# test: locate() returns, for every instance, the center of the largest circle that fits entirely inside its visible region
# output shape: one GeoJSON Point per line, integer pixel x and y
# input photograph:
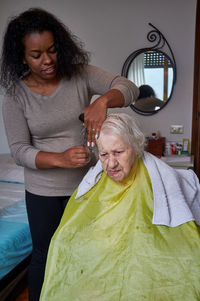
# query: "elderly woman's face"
{"type": "Point", "coordinates": [116, 156]}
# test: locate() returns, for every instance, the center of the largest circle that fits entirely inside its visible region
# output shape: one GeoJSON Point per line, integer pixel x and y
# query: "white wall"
{"type": "Point", "coordinates": [112, 29]}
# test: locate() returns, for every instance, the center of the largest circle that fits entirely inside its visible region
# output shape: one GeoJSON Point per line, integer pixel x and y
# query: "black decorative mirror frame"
{"type": "Point", "coordinates": [152, 59]}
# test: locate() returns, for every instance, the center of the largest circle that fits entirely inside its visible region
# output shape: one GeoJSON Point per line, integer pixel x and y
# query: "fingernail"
{"type": "Point", "coordinates": [88, 144]}
{"type": "Point", "coordinates": [96, 136]}
{"type": "Point", "coordinates": [92, 144]}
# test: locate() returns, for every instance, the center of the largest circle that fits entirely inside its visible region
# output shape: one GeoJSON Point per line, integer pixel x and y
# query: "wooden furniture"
{"type": "Point", "coordinates": [15, 281]}
{"type": "Point", "coordinates": [156, 146]}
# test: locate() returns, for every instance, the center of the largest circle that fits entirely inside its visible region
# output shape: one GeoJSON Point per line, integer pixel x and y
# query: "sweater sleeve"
{"type": "Point", "coordinates": [101, 82]}
{"type": "Point", "coordinates": [17, 132]}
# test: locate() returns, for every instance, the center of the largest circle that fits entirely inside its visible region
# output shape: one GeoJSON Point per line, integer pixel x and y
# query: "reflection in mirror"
{"type": "Point", "coordinates": [147, 100]}
{"type": "Point", "coordinates": [154, 68]}
{"type": "Point", "coordinates": [154, 72]}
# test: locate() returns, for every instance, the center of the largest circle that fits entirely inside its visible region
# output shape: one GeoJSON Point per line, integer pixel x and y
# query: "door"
{"type": "Point", "coordinates": [196, 97]}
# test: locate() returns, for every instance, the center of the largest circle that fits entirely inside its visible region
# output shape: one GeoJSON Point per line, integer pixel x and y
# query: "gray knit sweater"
{"type": "Point", "coordinates": [50, 123]}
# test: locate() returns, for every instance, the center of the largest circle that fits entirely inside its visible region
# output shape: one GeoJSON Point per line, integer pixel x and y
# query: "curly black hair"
{"type": "Point", "coordinates": [70, 53]}
{"type": "Point", "coordinates": [146, 91]}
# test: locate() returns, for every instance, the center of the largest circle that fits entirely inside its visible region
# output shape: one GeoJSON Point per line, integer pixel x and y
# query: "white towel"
{"type": "Point", "coordinates": [90, 179]}
{"type": "Point", "coordinates": [176, 193]}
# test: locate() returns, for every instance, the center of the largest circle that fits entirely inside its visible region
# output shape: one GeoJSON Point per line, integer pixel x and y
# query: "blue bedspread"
{"type": "Point", "coordinates": [15, 238]}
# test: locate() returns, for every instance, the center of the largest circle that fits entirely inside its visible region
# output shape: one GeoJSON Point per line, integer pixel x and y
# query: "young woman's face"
{"type": "Point", "coordinates": [116, 157]}
{"type": "Point", "coordinates": [40, 54]}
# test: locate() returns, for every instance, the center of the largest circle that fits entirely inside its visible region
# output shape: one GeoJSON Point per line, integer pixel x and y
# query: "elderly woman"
{"type": "Point", "coordinates": [130, 230]}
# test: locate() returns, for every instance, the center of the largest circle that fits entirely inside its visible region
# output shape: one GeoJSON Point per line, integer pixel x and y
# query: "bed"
{"type": "Point", "coordinates": [15, 238]}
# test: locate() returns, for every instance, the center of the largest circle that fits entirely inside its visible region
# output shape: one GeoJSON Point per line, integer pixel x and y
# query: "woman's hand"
{"type": "Point", "coordinates": [74, 157]}
{"type": "Point", "coordinates": [95, 114]}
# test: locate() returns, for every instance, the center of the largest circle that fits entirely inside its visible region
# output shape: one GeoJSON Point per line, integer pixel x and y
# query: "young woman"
{"type": "Point", "coordinates": [49, 83]}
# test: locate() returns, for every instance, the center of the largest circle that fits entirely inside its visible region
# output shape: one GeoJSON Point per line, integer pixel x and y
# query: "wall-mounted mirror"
{"type": "Point", "coordinates": [154, 72]}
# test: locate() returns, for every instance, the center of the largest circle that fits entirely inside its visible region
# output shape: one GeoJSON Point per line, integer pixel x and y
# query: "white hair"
{"type": "Point", "coordinates": [125, 127]}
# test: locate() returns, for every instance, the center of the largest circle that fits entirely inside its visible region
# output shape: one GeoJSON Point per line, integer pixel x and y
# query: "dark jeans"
{"type": "Point", "coordinates": [44, 214]}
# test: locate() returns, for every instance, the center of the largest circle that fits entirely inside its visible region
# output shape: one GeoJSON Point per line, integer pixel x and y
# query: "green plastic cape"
{"type": "Point", "coordinates": [106, 248]}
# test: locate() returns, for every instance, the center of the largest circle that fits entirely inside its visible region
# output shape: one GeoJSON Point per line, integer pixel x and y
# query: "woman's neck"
{"type": "Point", "coordinates": [42, 86]}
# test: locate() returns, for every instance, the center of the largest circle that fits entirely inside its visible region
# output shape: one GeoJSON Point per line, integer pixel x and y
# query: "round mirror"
{"type": "Point", "coordinates": [154, 73]}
